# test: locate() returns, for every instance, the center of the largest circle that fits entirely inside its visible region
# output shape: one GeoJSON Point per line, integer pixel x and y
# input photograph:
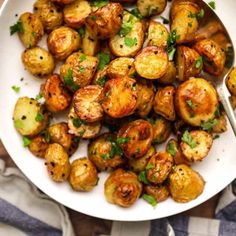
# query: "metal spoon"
{"type": "Point", "coordinates": [210, 27]}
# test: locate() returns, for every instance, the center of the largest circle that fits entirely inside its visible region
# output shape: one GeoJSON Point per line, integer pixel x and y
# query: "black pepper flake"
{"type": "Point", "coordinates": [63, 175]}
{"type": "Point", "coordinates": [53, 164]}
{"type": "Point", "coordinates": [23, 117]}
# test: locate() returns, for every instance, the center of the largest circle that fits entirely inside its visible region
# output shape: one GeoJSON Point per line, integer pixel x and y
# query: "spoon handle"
{"type": "Point", "coordinates": [224, 96]}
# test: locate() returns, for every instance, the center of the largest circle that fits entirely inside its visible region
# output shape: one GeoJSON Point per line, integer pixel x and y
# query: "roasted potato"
{"type": "Point", "coordinates": [29, 117]}
{"type": "Point", "coordinates": [124, 1]}
{"type": "Point", "coordinates": [221, 125]}
{"type": "Point", "coordinates": [139, 164]}
{"type": "Point", "coordinates": [56, 96]}
{"type": "Point", "coordinates": [62, 42]}
{"type": "Point", "coordinates": [213, 56]}
{"type": "Point", "coordinates": [100, 78]}
{"type": "Point", "coordinates": [38, 61]}
{"type": "Point", "coordinates": [119, 97]}
{"type": "Point", "coordinates": [196, 101]}
{"type": "Point", "coordinates": [127, 44]}
{"type": "Point", "coordinates": [90, 44]}
{"type": "Point", "coordinates": [159, 192]}
{"type": "Point", "coordinates": [31, 29]}
{"type": "Point", "coordinates": [80, 128]}
{"type": "Point", "coordinates": [122, 188]}
{"type": "Point", "coordinates": [57, 162]}
{"type": "Point", "coordinates": [151, 62]}
{"type": "Point", "coordinates": [63, 1]}
{"type": "Point", "coordinates": [196, 144]}
{"type": "Point", "coordinates": [138, 137]}
{"type": "Point", "coordinates": [151, 7]}
{"type": "Point", "coordinates": [105, 153]}
{"type": "Point", "coordinates": [120, 67]}
{"type": "Point", "coordinates": [38, 146]}
{"type": "Point", "coordinates": [170, 76]}
{"type": "Point", "coordinates": [189, 63]}
{"type": "Point", "coordinates": [76, 13]}
{"type": "Point", "coordinates": [185, 184]}
{"type": "Point", "coordinates": [157, 34]}
{"type": "Point", "coordinates": [49, 14]}
{"type": "Point", "coordinates": [86, 103]}
{"type": "Point", "coordinates": [231, 82]}
{"type": "Point", "coordinates": [106, 21]}
{"type": "Point", "coordinates": [83, 175]}
{"type": "Point", "coordinates": [59, 133]}
{"type": "Point", "coordinates": [78, 70]}
{"type": "Point", "coordinates": [164, 102]}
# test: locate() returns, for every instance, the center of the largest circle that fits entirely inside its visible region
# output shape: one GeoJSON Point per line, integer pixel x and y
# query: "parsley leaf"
{"type": "Point", "coordinates": [149, 166]}
{"type": "Point", "coordinates": [104, 59]}
{"type": "Point", "coordinates": [39, 117]}
{"type": "Point", "coordinates": [188, 139]}
{"type": "Point", "coordinates": [208, 125]}
{"type": "Point", "coordinates": [69, 80]}
{"type": "Point", "coordinates": [171, 149]}
{"type": "Point", "coordinates": [190, 103]}
{"type": "Point", "coordinates": [38, 97]}
{"type": "Point", "coordinates": [171, 44]}
{"type": "Point", "coordinates": [150, 199]}
{"type": "Point", "coordinates": [77, 122]}
{"type": "Point", "coordinates": [82, 58]}
{"type": "Point", "coordinates": [126, 26]}
{"type": "Point", "coordinates": [198, 62]}
{"type": "Point", "coordinates": [102, 81]}
{"type": "Point", "coordinates": [143, 178]}
{"type": "Point", "coordinates": [115, 150]}
{"type": "Point", "coordinates": [105, 156]}
{"type": "Point", "coordinates": [18, 124]}
{"type": "Point", "coordinates": [26, 141]}
{"type": "Point", "coordinates": [136, 13]}
{"type": "Point", "coordinates": [16, 88]}
{"type": "Point", "coordinates": [99, 3]}
{"type": "Point", "coordinates": [17, 27]}
{"type": "Point", "coordinates": [212, 4]}
{"type": "Point", "coordinates": [81, 32]}
{"type": "Point", "coordinates": [81, 69]}
{"type": "Point", "coordinates": [122, 140]}
{"type": "Point", "coordinates": [130, 42]}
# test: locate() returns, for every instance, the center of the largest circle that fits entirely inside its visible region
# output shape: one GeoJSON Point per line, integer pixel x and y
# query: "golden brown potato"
{"type": "Point", "coordinates": [122, 188]}
{"type": "Point", "coordinates": [57, 162]}
{"type": "Point", "coordinates": [76, 13]}
{"type": "Point", "coordinates": [106, 21]}
{"type": "Point", "coordinates": [105, 153]}
{"type": "Point", "coordinates": [157, 34]}
{"type": "Point", "coordinates": [170, 76]}
{"type": "Point", "coordinates": [120, 67]}
{"type": "Point", "coordinates": [164, 102]}
{"type": "Point", "coordinates": [196, 144]}
{"type": "Point", "coordinates": [90, 44]}
{"type": "Point", "coordinates": [62, 42]}
{"type": "Point", "coordinates": [63, 1]}
{"type": "Point", "coordinates": [213, 56]}
{"type": "Point", "coordinates": [78, 70]}
{"type": "Point", "coordinates": [185, 184]}
{"type": "Point", "coordinates": [128, 42]}
{"type": "Point", "coordinates": [151, 7]}
{"type": "Point", "coordinates": [138, 135]}
{"type": "Point", "coordinates": [221, 125]}
{"type": "Point", "coordinates": [83, 175]}
{"type": "Point", "coordinates": [231, 82]}
{"type": "Point", "coordinates": [145, 97]}
{"type": "Point", "coordinates": [151, 62]}
{"type": "Point", "coordinates": [80, 128]}
{"type": "Point", "coordinates": [29, 117]}
{"type": "Point", "coordinates": [196, 101]}
{"type": "Point", "coordinates": [119, 97]}
{"type": "Point", "coordinates": [38, 61]}
{"type": "Point", "coordinates": [161, 129]}
{"type": "Point", "coordinates": [159, 192]}
{"type": "Point", "coordinates": [86, 103]}
{"type": "Point", "coordinates": [139, 164]}
{"type": "Point", "coordinates": [49, 14]}
{"type": "Point", "coordinates": [57, 98]}
{"type": "Point", "coordinates": [189, 63]}
{"type": "Point", "coordinates": [59, 133]}
{"type": "Point", "coordinates": [100, 78]}
{"type": "Point", "coordinates": [31, 29]}
{"type": "Point", "coordinates": [38, 146]}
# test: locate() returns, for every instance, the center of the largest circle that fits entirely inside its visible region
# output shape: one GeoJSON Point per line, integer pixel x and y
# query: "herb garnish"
{"type": "Point", "coordinates": [171, 43]}
{"type": "Point", "coordinates": [17, 27]}
{"type": "Point", "coordinates": [212, 4]}
{"type": "Point", "coordinates": [39, 117]}
{"type": "Point", "coordinates": [150, 199]}
{"type": "Point", "coordinates": [171, 149]}
{"type": "Point", "coordinates": [26, 141]}
{"type": "Point", "coordinates": [69, 80]}
{"type": "Point", "coordinates": [130, 42]}
{"type": "Point", "coordinates": [198, 62]}
{"type": "Point", "coordinates": [143, 178]}
{"type": "Point", "coordinates": [104, 59]}
{"type": "Point", "coordinates": [16, 88]}
{"type": "Point", "coordinates": [188, 139]}
{"type": "Point", "coordinates": [208, 125]}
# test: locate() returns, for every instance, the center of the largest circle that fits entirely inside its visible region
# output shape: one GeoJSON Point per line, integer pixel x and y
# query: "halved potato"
{"type": "Point", "coordinates": [90, 44]}
{"type": "Point", "coordinates": [231, 81]}
{"type": "Point", "coordinates": [159, 192]}
{"type": "Point", "coordinates": [170, 76]}
{"type": "Point", "coordinates": [151, 62]}
{"type": "Point", "coordinates": [151, 7]}
{"type": "Point", "coordinates": [38, 146]}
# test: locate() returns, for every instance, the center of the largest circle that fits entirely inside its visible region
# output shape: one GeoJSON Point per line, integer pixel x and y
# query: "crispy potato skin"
{"type": "Point", "coordinates": [38, 61]}
{"type": "Point", "coordinates": [162, 163]}
{"type": "Point", "coordinates": [213, 56]}
{"type": "Point", "coordinates": [231, 82]}
{"type": "Point", "coordinates": [24, 117]}
{"type": "Point", "coordinates": [170, 76]}
{"type": "Point", "coordinates": [204, 142]}
{"type": "Point", "coordinates": [62, 42]}
{"type": "Point", "coordinates": [160, 193]}
{"type": "Point", "coordinates": [76, 13]}
{"type": "Point", "coordinates": [122, 188]}
{"type": "Point", "coordinates": [57, 162]}
{"type": "Point", "coordinates": [59, 133]}
{"type": "Point", "coordinates": [187, 59]}
{"type": "Point", "coordinates": [151, 62]}
{"type": "Point", "coordinates": [196, 101]}
{"type": "Point", "coordinates": [101, 146]}
{"type": "Point", "coordinates": [185, 184]}
{"type": "Point", "coordinates": [38, 146]}
{"type": "Point", "coordinates": [140, 135]}
{"type": "Point", "coordinates": [57, 98]}
{"type": "Point", "coordinates": [83, 69]}
{"type": "Point", "coordinates": [138, 165]}
{"type": "Point", "coordinates": [164, 102]}
{"type": "Point", "coordinates": [119, 97]}
{"type": "Point", "coordinates": [151, 7]}
{"type": "Point", "coordinates": [49, 14]}
{"type": "Point", "coordinates": [32, 30]}
{"type": "Point", "coordinates": [106, 21]}
{"type": "Point", "coordinates": [86, 102]}
{"type": "Point", "coordinates": [83, 175]}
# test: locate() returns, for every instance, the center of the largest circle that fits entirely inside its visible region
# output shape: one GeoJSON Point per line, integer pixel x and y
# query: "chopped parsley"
{"type": "Point", "coordinates": [188, 139]}
{"type": "Point", "coordinates": [26, 141]}
{"type": "Point", "coordinates": [165, 20]}
{"type": "Point", "coordinates": [105, 156]}
{"type": "Point", "coordinates": [208, 125]}
{"type": "Point", "coordinates": [150, 199]}
{"type": "Point", "coordinates": [39, 117]}
{"type": "Point", "coordinates": [81, 69]}
{"type": "Point", "coordinates": [99, 3]}
{"type": "Point", "coordinates": [107, 93]}
{"type": "Point", "coordinates": [102, 81]}
{"type": "Point", "coordinates": [77, 122]}
{"type": "Point", "coordinates": [18, 124]}
{"type": "Point", "coordinates": [104, 59]}
{"type": "Point", "coordinates": [199, 15]}
{"type": "Point", "coordinates": [190, 24]}
{"type": "Point", "coordinates": [198, 62]}
{"type": "Point", "coordinates": [171, 149]}
{"type": "Point", "coordinates": [17, 27]}
{"type": "Point", "coordinates": [69, 80]}
{"type": "Point", "coordinates": [136, 13]}
{"type": "Point", "coordinates": [143, 178]}
{"type": "Point", "coordinates": [81, 32]}
{"type": "Point", "coordinates": [216, 136]}
{"type": "Point", "coordinates": [115, 149]}
{"type": "Point", "coordinates": [190, 103]}
{"type": "Point", "coordinates": [171, 44]}
{"type": "Point", "coordinates": [126, 27]}
{"type": "Point", "coordinates": [212, 4]}
{"type": "Point", "coordinates": [93, 18]}
{"type": "Point", "coordinates": [149, 166]}
{"type": "Point", "coordinates": [122, 140]}
{"type": "Point", "coordinates": [82, 58]}
{"type": "Point", "coordinates": [130, 42]}
{"type": "Point", "coordinates": [38, 97]}
{"type": "Point", "coordinates": [16, 88]}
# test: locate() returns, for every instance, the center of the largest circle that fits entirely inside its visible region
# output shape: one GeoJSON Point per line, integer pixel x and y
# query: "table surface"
{"type": "Point", "coordinates": [87, 226]}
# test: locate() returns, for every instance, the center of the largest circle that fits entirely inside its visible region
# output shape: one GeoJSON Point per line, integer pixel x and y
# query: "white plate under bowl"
{"type": "Point", "coordinates": [218, 169]}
